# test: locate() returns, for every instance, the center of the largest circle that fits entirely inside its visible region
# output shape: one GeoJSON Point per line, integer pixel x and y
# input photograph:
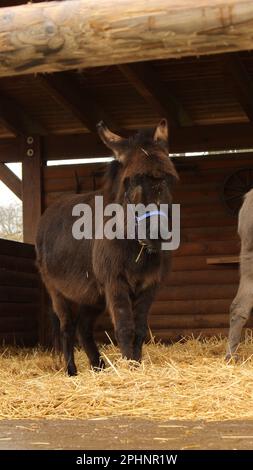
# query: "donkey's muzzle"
{"type": "Point", "coordinates": [151, 226]}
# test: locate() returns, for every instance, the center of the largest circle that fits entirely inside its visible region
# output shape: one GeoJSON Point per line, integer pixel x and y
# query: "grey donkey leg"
{"type": "Point", "coordinates": [240, 311]}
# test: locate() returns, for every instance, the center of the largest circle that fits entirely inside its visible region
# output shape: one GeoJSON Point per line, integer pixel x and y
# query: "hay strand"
{"type": "Point", "coordinates": [187, 380]}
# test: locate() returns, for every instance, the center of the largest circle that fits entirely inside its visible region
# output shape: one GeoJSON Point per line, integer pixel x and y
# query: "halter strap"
{"type": "Point", "coordinates": [150, 214]}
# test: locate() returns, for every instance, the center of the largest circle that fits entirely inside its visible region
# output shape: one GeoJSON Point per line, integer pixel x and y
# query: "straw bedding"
{"type": "Point", "coordinates": [187, 380]}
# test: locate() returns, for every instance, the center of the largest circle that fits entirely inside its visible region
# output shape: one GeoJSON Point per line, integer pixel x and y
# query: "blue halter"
{"type": "Point", "coordinates": [149, 214]}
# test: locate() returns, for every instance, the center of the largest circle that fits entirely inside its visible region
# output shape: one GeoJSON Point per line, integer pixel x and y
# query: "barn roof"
{"type": "Point", "coordinates": [191, 91]}
{"type": "Point", "coordinates": [201, 87]}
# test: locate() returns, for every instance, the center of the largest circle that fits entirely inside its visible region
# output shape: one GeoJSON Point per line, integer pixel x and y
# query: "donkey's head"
{"type": "Point", "coordinates": [143, 174]}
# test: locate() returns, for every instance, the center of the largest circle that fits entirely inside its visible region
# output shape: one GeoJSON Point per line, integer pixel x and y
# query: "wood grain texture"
{"type": "Point", "coordinates": [143, 78]}
{"type": "Point", "coordinates": [31, 187]}
{"type": "Point", "coordinates": [185, 139]}
{"type": "Point", "coordinates": [19, 294]}
{"type": "Point", "coordinates": [55, 36]}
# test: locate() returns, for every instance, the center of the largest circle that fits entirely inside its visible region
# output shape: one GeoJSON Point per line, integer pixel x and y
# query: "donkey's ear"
{"type": "Point", "coordinates": [111, 140]}
{"type": "Point", "coordinates": [161, 133]}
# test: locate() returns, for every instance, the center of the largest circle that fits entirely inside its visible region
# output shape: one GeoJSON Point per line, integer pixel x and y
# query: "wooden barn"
{"type": "Point", "coordinates": [65, 66]}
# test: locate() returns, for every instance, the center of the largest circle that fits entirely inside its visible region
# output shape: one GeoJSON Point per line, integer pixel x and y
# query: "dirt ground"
{"type": "Point", "coordinates": [124, 434]}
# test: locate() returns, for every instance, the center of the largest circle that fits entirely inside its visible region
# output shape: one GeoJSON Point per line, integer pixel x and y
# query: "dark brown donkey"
{"type": "Point", "coordinates": [83, 277]}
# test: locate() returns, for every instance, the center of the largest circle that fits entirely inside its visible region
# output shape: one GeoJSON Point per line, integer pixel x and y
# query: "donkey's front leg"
{"type": "Point", "coordinates": [240, 311]}
{"type": "Point", "coordinates": [141, 308]}
{"type": "Point", "coordinates": [120, 308]}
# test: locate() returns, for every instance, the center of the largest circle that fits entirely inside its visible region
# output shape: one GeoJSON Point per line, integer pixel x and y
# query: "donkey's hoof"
{"type": "Point", "coordinates": [72, 370]}
{"type": "Point", "coordinates": [97, 367]}
{"type": "Point", "coordinates": [231, 357]}
{"type": "Point", "coordinates": [134, 363]}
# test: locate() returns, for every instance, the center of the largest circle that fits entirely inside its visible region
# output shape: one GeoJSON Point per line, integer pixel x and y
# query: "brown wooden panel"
{"type": "Point", "coordinates": [224, 260]}
{"type": "Point", "coordinates": [23, 250]}
{"type": "Point", "coordinates": [196, 209]}
{"type": "Point", "coordinates": [191, 307]}
{"type": "Point", "coordinates": [198, 138]}
{"type": "Point", "coordinates": [17, 324]}
{"type": "Point", "coordinates": [9, 150]}
{"type": "Point", "coordinates": [18, 294]}
{"type": "Point", "coordinates": [201, 292]}
{"type": "Point", "coordinates": [184, 278]}
{"type": "Point", "coordinates": [18, 264]}
{"type": "Point", "coordinates": [15, 308]}
{"type": "Point", "coordinates": [66, 171]}
{"type": "Point", "coordinates": [70, 184]}
{"type": "Point", "coordinates": [208, 248]}
{"type": "Point", "coordinates": [15, 278]}
{"type": "Point", "coordinates": [225, 162]}
{"type": "Point", "coordinates": [209, 233]}
{"type": "Point", "coordinates": [19, 338]}
{"type": "Point", "coordinates": [189, 321]}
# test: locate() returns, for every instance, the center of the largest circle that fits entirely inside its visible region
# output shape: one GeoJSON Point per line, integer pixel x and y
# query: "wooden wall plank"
{"type": "Point", "coordinates": [15, 278]}
{"type": "Point", "coordinates": [185, 139]}
{"type": "Point", "coordinates": [216, 276]}
{"type": "Point", "coordinates": [201, 292]}
{"type": "Point", "coordinates": [13, 248]}
{"type": "Point", "coordinates": [19, 338]}
{"type": "Point", "coordinates": [19, 294]}
{"type": "Point", "coordinates": [18, 264]}
{"type": "Point", "coordinates": [190, 307]}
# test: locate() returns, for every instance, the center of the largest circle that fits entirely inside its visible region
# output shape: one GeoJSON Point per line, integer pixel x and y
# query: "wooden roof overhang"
{"type": "Point", "coordinates": [208, 99]}
{"type": "Point", "coordinates": [200, 76]}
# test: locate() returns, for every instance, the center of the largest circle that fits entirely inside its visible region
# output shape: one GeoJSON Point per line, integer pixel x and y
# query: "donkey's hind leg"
{"type": "Point", "coordinates": [62, 308]}
{"type": "Point", "coordinates": [87, 318]}
{"type": "Point", "coordinates": [240, 310]}
{"type": "Point", "coordinates": [56, 332]}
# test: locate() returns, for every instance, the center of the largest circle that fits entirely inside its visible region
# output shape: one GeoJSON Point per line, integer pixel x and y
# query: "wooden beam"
{"type": "Point", "coordinates": [65, 89]}
{"type": "Point", "coordinates": [31, 187]}
{"type": "Point", "coordinates": [54, 36]}
{"type": "Point", "coordinates": [212, 138]}
{"type": "Point", "coordinates": [223, 260]}
{"type": "Point", "coordinates": [17, 120]}
{"type": "Point", "coordinates": [187, 139]}
{"type": "Point", "coordinates": [241, 81]}
{"type": "Point", "coordinates": [10, 180]}
{"type": "Point", "coordinates": [156, 94]}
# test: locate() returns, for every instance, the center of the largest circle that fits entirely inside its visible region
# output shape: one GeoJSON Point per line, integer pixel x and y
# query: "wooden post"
{"type": "Point", "coordinates": [32, 209]}
{"type": "Point", "coordinates": [53, 36]}
{"type": "Point", "coordinates": [31, 186]}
